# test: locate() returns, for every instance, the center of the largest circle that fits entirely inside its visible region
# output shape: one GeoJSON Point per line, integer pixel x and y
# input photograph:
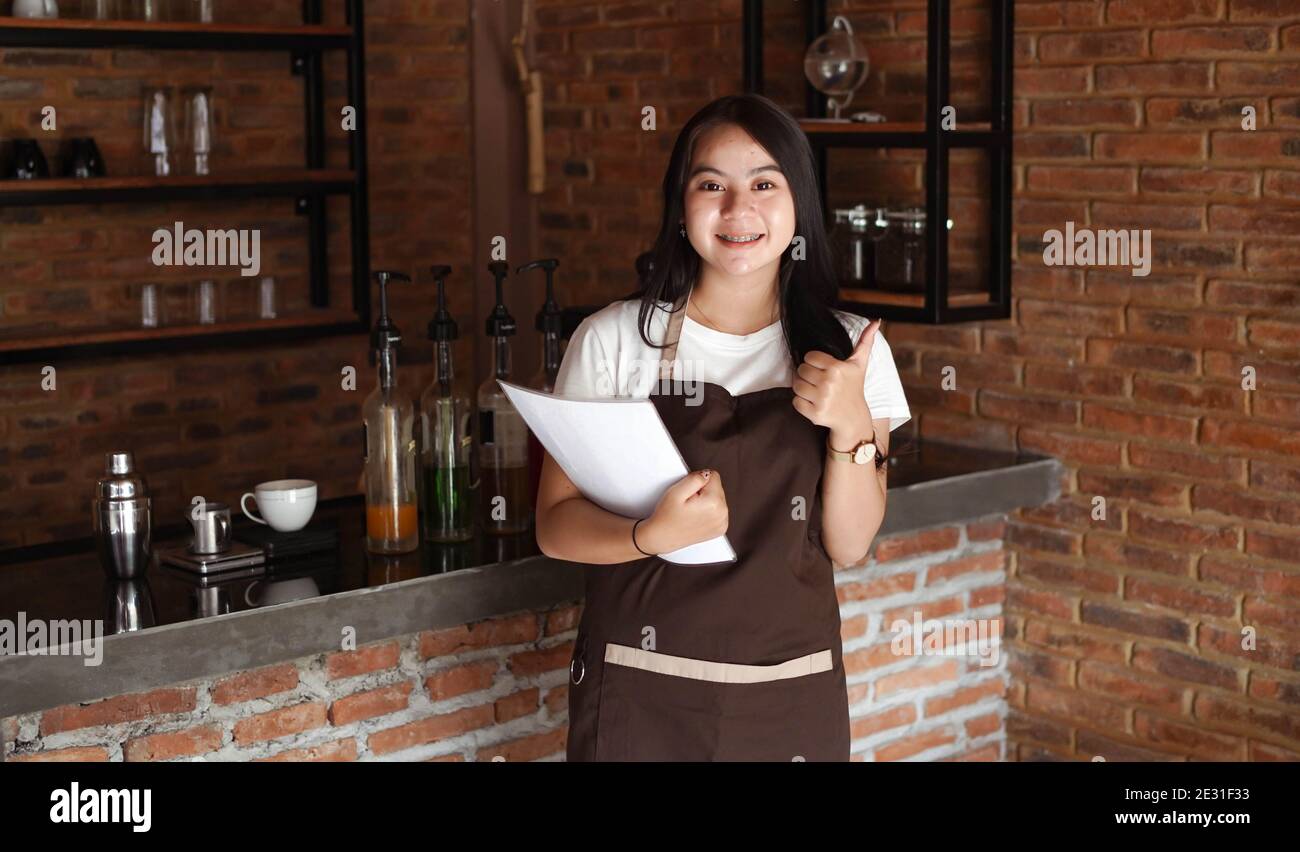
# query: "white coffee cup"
{"type": "Point", "coordinates": [286, 504]}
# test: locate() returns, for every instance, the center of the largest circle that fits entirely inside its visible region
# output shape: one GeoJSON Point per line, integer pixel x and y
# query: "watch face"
{"type": "Point", "coordinates": [864, 453]}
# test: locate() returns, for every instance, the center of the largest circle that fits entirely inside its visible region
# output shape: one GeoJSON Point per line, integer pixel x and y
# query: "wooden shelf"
{"type": "Point", "coordinates": [861, 134]}
{"type": "Point", "coordinates": [249, 184]}
{"type": "Point", "coordinates": [812, 125]}
{"type": "Point", "coordinates": [76, 32]}
{"type": "Point", "coordinates": [36, 344]}
{"type": "Point", "coordinates": [909, 300]}
{"type": "Point", "coordinates": [897, 134]}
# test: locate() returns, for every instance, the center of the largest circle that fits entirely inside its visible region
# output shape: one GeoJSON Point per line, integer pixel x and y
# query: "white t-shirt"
{"type": "Point", "coordinates": [606, 357]}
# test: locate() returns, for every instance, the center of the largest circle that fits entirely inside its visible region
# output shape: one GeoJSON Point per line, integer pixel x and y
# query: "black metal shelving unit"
{"type": "Point", "coordinates": [309, 187]}
{"type": "Point", "coordinates": [936, 142]}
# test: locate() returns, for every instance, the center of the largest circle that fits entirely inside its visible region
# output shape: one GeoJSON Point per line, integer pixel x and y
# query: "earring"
{"type": "Point", "coordinates": [682, 230]}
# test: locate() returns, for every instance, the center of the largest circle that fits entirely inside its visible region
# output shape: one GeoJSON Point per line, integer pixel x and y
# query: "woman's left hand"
{"type": "Point", "coordinates": [828, 391]}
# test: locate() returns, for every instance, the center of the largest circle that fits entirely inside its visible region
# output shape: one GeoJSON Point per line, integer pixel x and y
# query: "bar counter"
{"type": "Point", "coordinates": [191, 627]}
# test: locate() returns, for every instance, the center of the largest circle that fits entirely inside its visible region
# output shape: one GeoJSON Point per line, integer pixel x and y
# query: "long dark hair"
{"type": "Point", "coordinates": [808, 287]}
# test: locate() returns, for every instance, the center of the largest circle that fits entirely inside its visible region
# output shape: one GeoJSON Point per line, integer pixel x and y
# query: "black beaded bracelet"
{"type": "Point", "coordinates": [634, 544]}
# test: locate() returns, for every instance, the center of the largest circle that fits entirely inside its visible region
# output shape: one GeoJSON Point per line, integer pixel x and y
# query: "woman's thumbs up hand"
{"type": "Point", "coordinates": [692, 510]}
{"type": "Point", "coordinates": [828, 391]}
{"type": "Point", "coordinates": [862, 351]}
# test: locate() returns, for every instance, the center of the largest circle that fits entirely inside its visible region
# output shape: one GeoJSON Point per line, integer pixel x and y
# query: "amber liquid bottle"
{"type": "Point", "coordinates": [392, 507]}
{"type": "Point", "coordinates": [505, 506]}
{"type": "Point", "coordinates": [549, 323]}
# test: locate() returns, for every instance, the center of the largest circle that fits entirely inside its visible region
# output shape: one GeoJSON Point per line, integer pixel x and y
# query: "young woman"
{"type": "Point", "coordinates": [778, 403]}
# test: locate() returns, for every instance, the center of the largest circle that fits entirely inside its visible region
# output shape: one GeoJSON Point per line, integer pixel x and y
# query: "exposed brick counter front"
{"type": "Point", "coordinates": [496, 687]}
{"type": "Point", "coordinates": [271, 684]}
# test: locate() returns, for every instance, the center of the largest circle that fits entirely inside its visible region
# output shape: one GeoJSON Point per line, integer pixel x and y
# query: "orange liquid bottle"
{"type": "Point", "coordinates": [391, 522]}
{"type": "Point", "coordinates": [392, 499]}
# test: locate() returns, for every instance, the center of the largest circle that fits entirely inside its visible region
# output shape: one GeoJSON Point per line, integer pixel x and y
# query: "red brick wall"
{"type": "Point", "coordinates": [216, 422]}
{"type": "Point", "coordinates": [919, 701]}
{"type": "Point", "coordinates": [601, 63]}
{"type": "Point", "coordinates": [1128, 114]}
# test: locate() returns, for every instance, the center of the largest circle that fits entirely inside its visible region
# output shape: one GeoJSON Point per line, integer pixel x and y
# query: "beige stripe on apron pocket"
{"type": "Point", "coordinates": [653, 661]}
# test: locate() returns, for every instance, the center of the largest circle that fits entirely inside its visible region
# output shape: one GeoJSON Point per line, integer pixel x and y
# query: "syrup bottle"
{"type": "Point", "coordinates": [505, 507]}
{"type": "Point", "coordinates": [392, 513]}
{"type": "Point", "coordinates": [446, 438]}
{"type": "Point", "coordinates": [549, 323]}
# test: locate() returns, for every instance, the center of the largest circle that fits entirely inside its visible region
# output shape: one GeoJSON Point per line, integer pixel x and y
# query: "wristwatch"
{"type": "Point", "coordinates": [865, 452]}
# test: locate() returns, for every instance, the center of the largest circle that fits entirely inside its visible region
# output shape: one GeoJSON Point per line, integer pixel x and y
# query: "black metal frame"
{"type": "Point", "coordinates": [88, 193]}
{"type": "Point", "coordinates": [938, 143]}
{"type": "Point", "coordinates": [357, 159]}
{"type": "Point", "coordinates": [165, 37]}
{"type": "Point", "coordinates": [188, 343]}
{"type": "Point", "coordinates": [306, 50]}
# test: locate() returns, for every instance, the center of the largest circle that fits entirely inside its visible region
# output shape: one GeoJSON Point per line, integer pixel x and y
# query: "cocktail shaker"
{"type": "Point", "coordinates": [130, 605]}
{"type": "Point", "coordinates": [121, 517]}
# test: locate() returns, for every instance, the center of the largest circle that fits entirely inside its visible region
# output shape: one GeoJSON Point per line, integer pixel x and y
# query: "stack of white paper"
{"type": "Point", "coordinates": [617, 452]}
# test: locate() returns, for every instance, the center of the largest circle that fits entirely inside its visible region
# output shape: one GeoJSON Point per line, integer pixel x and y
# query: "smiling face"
{"type": "Point", "coordinates": [739, 210]}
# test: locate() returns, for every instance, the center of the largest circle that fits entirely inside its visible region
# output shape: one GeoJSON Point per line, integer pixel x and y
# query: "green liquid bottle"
{"type": "Point", "coordinates": [446, 501]}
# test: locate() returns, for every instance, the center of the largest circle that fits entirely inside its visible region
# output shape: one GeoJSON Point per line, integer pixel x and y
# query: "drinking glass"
{"type": "Point", "coordinates": [198, 11]}
{"type": "Point", "coordinates": [196, 136]}
{"type": "Point", "coordinates": [147, 10]}
{"type": "Point", "coordinates": [150, 306]}
{"type": "Point", "coordinates": [266, 298]}
{"type": "Point", "coordinates": [100, 10]}
{"type": "Point", "coordinates": [208, 302]}
{"type": "Point", "coordinates": [159, 129]}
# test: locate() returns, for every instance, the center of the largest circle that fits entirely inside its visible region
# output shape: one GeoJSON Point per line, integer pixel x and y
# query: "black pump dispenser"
{"type": "Point", "coordinates": [549, 322]}
{"type": "Point", "coordinates": [443, 327]}
{"type": "Point", "coordinates": [499, 322]}
{"type": "Point", "coordinates": [385, 338]}
{"type": "Point", "coordinates": [442, 331]}
{"type": "Point", "coordinates": [549, 317]}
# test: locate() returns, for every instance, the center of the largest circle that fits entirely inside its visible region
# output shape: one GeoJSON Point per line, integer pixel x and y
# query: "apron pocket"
{"type": "Point", "coordinates": [793, 720]}
{"type": "Point", "coordinates": [661, 707]}
{"type": "Point", "coordinates": [645, 716]}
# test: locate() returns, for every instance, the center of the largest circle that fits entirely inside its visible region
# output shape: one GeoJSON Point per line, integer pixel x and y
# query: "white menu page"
{"type": "Point", "coordinates": [617, 452]}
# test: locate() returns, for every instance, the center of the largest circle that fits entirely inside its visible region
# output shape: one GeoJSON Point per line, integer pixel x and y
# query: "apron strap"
{"type": "Point", "coordinates": [671, 337]}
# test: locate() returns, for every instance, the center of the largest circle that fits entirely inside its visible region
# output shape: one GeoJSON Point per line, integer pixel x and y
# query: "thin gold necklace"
{"type": "Point", "coordinates": [711, 323]}
{"type": "Point", "coordinates": [701, 313]}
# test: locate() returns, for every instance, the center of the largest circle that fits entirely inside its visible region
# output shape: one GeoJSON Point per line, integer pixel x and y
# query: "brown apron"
{"type": "Point", "coordinates": [726, 661]}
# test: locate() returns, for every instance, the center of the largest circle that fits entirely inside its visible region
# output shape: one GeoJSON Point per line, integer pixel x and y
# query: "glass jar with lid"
{"type": "Point", "coordinates": [853, 243]}
{"type": "Point", "coordinates": [900, 259]}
